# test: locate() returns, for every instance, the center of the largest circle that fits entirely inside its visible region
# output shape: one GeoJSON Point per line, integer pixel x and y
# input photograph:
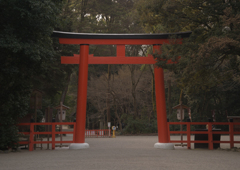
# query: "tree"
{"type": "Point", "coordinates": [209, 64]}
{"type": "Point", "coordinates": [121, 98]}
{"type": "Point", "coordinates": [26, 49]}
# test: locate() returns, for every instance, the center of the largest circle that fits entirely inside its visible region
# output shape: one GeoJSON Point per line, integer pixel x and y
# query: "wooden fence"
{"type": "Point", "coordinates": [210, 131]}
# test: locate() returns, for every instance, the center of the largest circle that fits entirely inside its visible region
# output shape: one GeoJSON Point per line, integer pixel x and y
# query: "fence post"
{"type": "Point", "coordinates": [31, 137]}
{"type": "Point", "coordinates": [231, 135]}
{"type": "Point", "coordinates": [210, 137]}
{"type": "Point", "coordinates": [74, 127]}
{"type": "Point", "coordinates": [168, 130]}
{"type": "Point", "coordinates": [53, 135]}
{"type": "Point", "coordinates": [188, 134]}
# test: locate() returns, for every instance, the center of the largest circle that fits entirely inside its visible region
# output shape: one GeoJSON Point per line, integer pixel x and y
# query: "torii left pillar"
{"type": "Point", "coordinates": [81, 99]}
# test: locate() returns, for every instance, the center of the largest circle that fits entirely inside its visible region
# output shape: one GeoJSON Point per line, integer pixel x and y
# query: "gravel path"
{"type": "Point", "coordinates": [122, 152]}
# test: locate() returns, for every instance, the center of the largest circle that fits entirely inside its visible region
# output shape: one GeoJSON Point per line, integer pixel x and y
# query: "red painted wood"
{"type": "Point", "coordinates": [65, 132]}
{"type": "Point", "coordinates": [121, 60]}
{"type": "Point", "coordinates": [210, 141]}
{"type": "Point", "coordinates": [63, 141]}
{"type": "Point", "coordinates": [24, 143]}
{"type": "Point", "coordinates": [231, 135]}
{"type": "Point", "coordinates": [220, 132]}
{"type": "Point", "coordinates": [31, 137]}
{"type": "Point", "coordinates": [40, 133]}
{"type": "Point", "coordinates": [53, 135]}
{"type": "Point", "coordinates": [121, 50]}
{"type": "Point", "coordinates": [70, 60]}
{"type": "Point", "coordinates": [222, 142]}
{"type": "Point", "coordinates": [210, 137]}
{"type": "Point", "coordinates": [178, 141]}
{"type": "Point", "coordinates": [109, 60]}
{"type": "Point", "coordinates": [185, 141]}
{"type": "Point", "coordinates": [82, 94]}
{"type": "Point", "coordinates": [84, 59]}
{"type": "Point", "coordinates": [42, 142]}
{"type": "Point", "coordinates": [189, 135]}
{"type": "Point", "coordinates": [97, 133]}
{"type": "Point", "coordinates": [74, 133]}
{"type": "Point", "coordinates": [178, 132]}
{"type": "Point", "coordinates": [160, 102]}
{"type": "Point", "coordinates": [31, 134]}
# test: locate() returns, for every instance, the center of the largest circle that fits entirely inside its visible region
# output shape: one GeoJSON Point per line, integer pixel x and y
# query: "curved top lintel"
{"type": "Point", "coordinates": [73, 35]}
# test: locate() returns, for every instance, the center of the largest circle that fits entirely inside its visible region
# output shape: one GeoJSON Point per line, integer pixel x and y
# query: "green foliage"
{"type": "Point", "coordinates": [208, 71]}
{"type": "Point", "coordinates": [26, 50]}
{"type": "Point", "coordinates": [139, 125]}
{"type": "Point", "coordinates": [9, 135]}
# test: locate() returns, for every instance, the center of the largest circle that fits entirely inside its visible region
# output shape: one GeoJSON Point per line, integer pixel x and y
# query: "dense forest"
{"type": "Point", "coordinates": [206, 77]}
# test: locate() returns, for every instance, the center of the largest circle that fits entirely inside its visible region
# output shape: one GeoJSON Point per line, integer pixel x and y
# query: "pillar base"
{"type": "Point", "coordinates": [169, 146]}
{"type": "Point", "coordinates": [78, 146]}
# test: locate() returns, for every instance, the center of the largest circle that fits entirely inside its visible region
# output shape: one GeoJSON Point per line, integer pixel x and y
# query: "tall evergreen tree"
{"type": "Point", "coordinates": [26, 49]}
{"type": "Point", "coordinates": [209, 64]}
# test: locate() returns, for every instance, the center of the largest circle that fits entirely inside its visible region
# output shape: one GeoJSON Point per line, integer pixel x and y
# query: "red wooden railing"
{"type": "Point", "coordinates": [98, 133]}
{"type": "Point", "coordinates": [105, 133]}
{"type": "Point", "coordinates": [210, 132]}
{"type": "Point", "coordinates": [31, 134]}
{"type": "Point", "coordinates": [53, 132]}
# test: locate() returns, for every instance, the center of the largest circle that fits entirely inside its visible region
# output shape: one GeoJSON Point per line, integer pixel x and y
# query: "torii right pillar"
{"type": "Point", "coordinates": [163, 139]}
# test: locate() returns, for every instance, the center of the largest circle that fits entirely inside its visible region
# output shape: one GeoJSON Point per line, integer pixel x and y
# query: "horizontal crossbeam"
{"type": "Point", "coordinates": [109, 60]}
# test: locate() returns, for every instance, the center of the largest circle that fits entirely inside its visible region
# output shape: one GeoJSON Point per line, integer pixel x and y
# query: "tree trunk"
{"type": "Point", "coordinates": [64, 92]}
{"type": "Point", "coordinates": [108, 94]}
{"type": "Point", "coordinates": [83, 9]}
{"type": "Point", "coordinates": [153, 90]}
{"type": "Point", "coordinates": [132, 70]}
{"type": "Point", "coordinates": [117, 116]}
{"type": "Point", "coordinates": [169, 97]}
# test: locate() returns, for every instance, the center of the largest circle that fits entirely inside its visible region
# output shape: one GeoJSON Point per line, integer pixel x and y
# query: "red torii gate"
{"type": "Point", "coordinates": [120, 40]}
